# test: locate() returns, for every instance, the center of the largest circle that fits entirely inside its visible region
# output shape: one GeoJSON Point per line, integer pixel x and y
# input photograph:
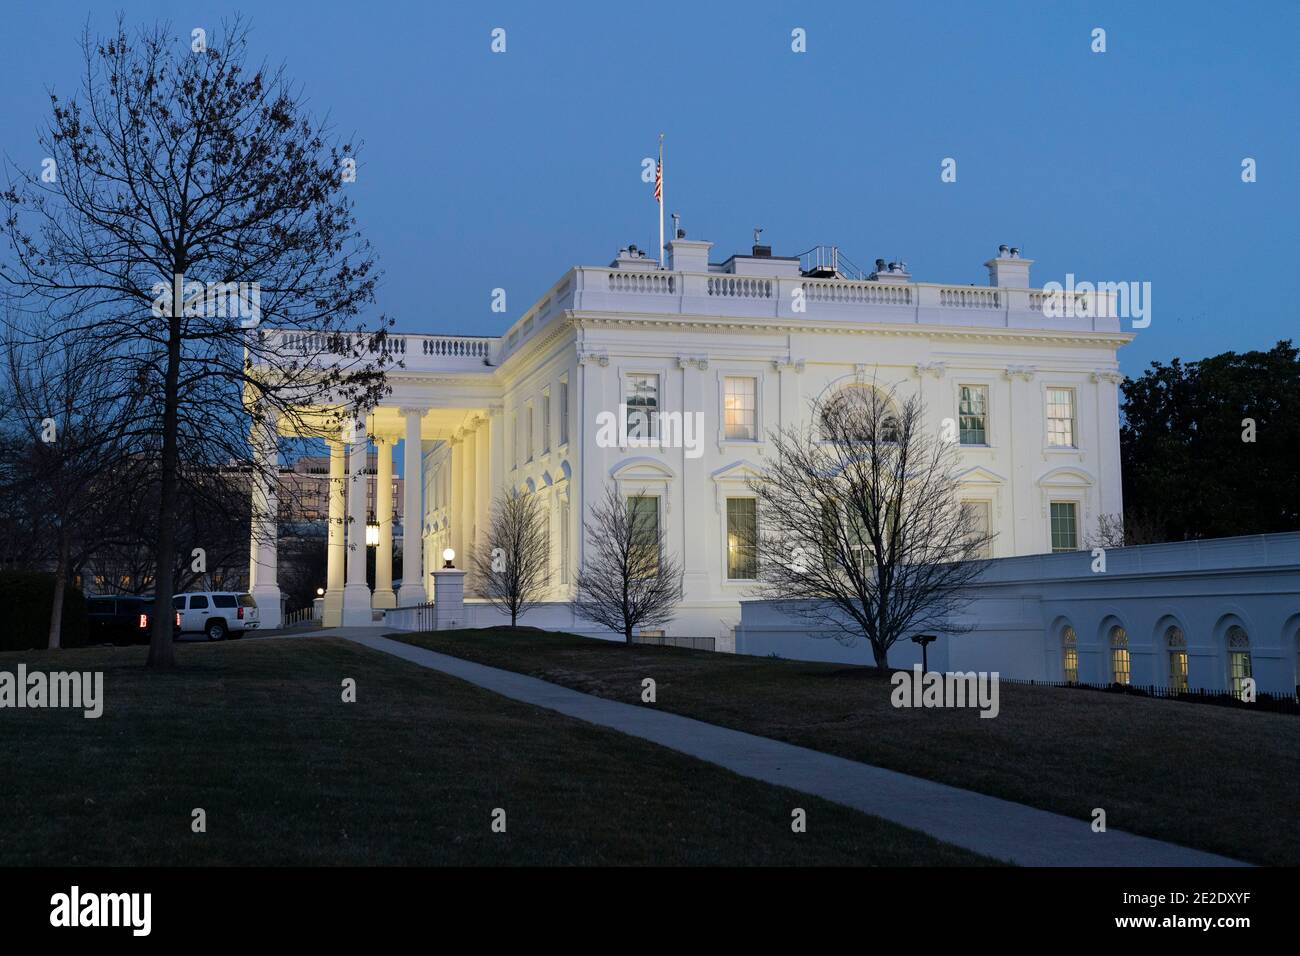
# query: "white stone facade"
{"type": "Point", "coordinates": [523, 410]}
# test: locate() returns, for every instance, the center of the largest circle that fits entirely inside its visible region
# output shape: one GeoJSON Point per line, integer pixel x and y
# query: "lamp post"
{"type": "Point", "coordinates": [448, 556]}
{"type": "Point", "coordinates": [925, 640]}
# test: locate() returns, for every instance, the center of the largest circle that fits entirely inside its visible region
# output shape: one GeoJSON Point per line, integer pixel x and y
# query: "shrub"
{"type": "Point", "coordinates": [27, 597]}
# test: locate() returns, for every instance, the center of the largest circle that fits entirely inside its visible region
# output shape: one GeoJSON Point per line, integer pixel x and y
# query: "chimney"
{"type": "Point", "coordinates": [689, 255]}
{"type": "Point", "coordinates": [1008, 270]}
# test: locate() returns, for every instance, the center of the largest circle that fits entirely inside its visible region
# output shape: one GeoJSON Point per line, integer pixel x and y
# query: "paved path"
{"type": "Point", "coordinates": [996, 828]}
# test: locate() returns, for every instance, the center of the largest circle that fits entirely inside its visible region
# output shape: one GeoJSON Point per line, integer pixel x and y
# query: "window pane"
{"type": "Point", "coordinates": [546, 422]}
{"type": "Point", "coordinates": [1065, 530]}
{"type": "Point", "coordinates": [1120, 665]}
{"type": "Point", "coordinates": [564, 412]}
{"type": "Point", "coordinates": [643, 513]}
{"type": "Point", "coordinates": [742, 533]}
{"type": "Point", "coordinates": [1060, 417]}
{"type": "Point", "coordinates": [1072, 664]}
{"type": "Point", "coordinates": [739, 404]}
{"type": "Point", "coordinates": [973, 415]}
{"type": "Point", "coordinates": [1178, 670]}
{"type": "Point", "coordinates": [642, 401]}
{"type": "Point", "coordinates": [980, 524]}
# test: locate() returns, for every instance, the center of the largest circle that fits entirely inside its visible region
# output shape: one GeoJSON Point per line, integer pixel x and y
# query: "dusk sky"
{"type": "Point", "coordinates": [484, 170]}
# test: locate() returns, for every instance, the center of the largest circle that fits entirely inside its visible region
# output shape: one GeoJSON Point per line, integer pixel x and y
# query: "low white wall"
{"type": "Point", "coordinates": [1019, 609]}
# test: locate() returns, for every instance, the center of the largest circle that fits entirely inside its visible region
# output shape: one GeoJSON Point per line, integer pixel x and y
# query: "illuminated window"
{"type": "Point", "coordinates": [973, 414]}
{"type": "Point", "coordinates": [1060, 417]}
{"type": "Point", "coordinates": [1239, 669]}
{"type": "Point", "coordinates": [1120, 662]}
{"type": "Point", "coordinates": [739, 407]}
{"type": "Point", "coordinates": [742, 538]}
{"type": "Point", "coordinates": [1176, 642]}
{"type": "Point", "coordinates": [1065, 526]}
{"type": "Point", "coordinates": [1070, 657]}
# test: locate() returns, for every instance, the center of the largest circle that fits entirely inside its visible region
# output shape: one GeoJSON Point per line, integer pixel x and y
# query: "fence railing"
{"type": "Point", "coordinates": [694, 643]}
{"type": "Point", "coordinates": [1274, 703]}
{"type": "Point", "coordinates": [300, 616]}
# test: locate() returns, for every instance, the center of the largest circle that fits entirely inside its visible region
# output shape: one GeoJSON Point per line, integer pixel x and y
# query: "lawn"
{"type": "Point", "coordinates": [1215, 778]}
{"type": "Point", "coordinates": [255, 733]}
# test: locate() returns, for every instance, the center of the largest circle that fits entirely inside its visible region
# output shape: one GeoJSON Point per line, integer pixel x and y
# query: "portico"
{"type": "Point", "coordinates": [413, 431]}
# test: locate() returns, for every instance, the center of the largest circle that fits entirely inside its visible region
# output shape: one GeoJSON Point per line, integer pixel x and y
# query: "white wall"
{"type": "Point", "coordinates": [1020, 607]}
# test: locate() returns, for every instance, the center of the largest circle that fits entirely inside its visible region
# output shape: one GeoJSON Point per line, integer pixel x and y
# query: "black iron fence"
{"type": "Point", "coordinates": [694, 643]}
{"type": "Point", "coordinates": [1274, 703]}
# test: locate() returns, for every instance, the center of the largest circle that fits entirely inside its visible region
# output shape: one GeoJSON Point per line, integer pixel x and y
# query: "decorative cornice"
{"type": "Point", "coordinates": [1025, 373]}
{"type": "Point", "coordinates": [1107, 375]}
{"type": "Point", "coordinates": [912, 330]}
{"type": "Point", "coordinates": [418, 412]}
{"type": "Point", "coordinates": [699, 361]}
{"type": "Point", "coordinates": [588, 357]}
{"type": "Point", "coordinates": [779, 364]}
{"type": "Point", "coordinates": [935, 369]}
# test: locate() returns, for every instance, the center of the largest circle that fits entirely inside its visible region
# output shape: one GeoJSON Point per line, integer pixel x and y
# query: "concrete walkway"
{"type": "Point", "coordinates": [987, 825]}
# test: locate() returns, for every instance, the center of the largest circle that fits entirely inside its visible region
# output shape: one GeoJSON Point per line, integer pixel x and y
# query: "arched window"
{"type": "Point", "coordinates": [1176, 642]}
{"type": "Point", "coordinates": [1238, 659]}
{"type": "Point", "coordinates": [1070, 654]}
{"type": "Point", "coordinates": [1120, 662]}
{"type": "Point", "coordinates": [858, 414]}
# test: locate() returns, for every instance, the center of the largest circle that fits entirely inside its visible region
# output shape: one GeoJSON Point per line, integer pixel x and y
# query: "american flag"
{"type": "Point", "coordinates": [659, 182]}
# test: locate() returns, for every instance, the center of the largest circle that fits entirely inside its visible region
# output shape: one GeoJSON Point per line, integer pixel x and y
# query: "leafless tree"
{"type": "Point", "coordinates": [1121, 531]}
{"type": "Point", "coordinates": [628, 578]}
{"type": "Point", "coordinates": [513, 565]}
{"type": "Point", "coordinates": [188, 198]}
{"type": "Point", "coordinates": [71, 467]}
{"type": "Point", "coordinates": [860, 525]}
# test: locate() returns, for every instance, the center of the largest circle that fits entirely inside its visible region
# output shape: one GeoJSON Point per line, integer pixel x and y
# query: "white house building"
{"type": "Point", "coordinates": [716, 354]}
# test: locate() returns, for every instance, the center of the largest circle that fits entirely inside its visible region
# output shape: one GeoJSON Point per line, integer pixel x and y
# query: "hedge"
{"type": "Point", "coordinates": [26, 597]}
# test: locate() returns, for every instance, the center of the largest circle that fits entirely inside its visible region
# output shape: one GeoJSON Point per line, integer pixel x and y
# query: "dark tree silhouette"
{"type": "Point", "coordinates": [189, 200]}
{"type": "Point", "coordinates": [860, 520]}
{"type": "Point", "coordinates": [628, 579]}
{"type": "Point", "coordinates": [512, 565]}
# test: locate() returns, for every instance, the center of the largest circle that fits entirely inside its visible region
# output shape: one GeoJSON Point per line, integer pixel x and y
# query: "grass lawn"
{"type": "Point", "coordinates": [1214, 778]}
{"type": "Point", "coordinates": [255, 733]}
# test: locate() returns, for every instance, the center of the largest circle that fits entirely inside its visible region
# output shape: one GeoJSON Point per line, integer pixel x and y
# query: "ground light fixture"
{"type": "Point", "coordinates": [448, 556]}
{"type": "Point", "coordinates": [925, 640]}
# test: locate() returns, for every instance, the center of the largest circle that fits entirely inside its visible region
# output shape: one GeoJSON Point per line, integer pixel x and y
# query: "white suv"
{"type": "Point", "coordinates": [216, 614]}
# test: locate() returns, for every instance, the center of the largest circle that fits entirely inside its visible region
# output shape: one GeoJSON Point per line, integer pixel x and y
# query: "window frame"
{"type": "Point", "coordinates": [726, 535]}
{"type": "Point", "coordinates": [1073, 392]}
{"type": "Point", "coordinates": [1051, 530]}
{"type": "Point", "coordinates": [987, 417]}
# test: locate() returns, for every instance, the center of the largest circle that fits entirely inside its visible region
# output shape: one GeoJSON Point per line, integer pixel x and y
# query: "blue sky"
{"type": "Point", "coordinates": [482, 171]}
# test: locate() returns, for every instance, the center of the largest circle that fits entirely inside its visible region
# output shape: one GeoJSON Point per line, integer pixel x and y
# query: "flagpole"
{"type": "Point", "coordinates": [661, 200]}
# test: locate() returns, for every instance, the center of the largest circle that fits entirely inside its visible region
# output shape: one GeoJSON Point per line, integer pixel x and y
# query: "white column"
{"type": "Point", "coordinates": [356, 592]}
{"type": "Point", "coordinates": [470, 508]}
{"type": "Point", "coordinates": [482, 486]}
{"type": "Point", "coordinates": [262, 582]}
{"type": "Point", "coordinates": [335, 549]}
{"type": "Point", "coordinates": [412, 590]}
{"type": "Point", "coordinates": [457, 500]}
{"type": "Point", "coordinates": [384, 596]}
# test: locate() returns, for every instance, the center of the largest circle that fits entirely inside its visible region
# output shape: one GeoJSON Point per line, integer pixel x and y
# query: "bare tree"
{"type": "Point", "coordinates": [513, 566]}
{"type": "Point", "coordinates": [861, 528]}
{"type": "Point", "coordinates": [71, 465]}
{"type": "Point", "coordinates": [628, 579]}
{"type": "Point", "coordinates": [186, 199]}
{"type": "Point", "coordinates": [1126, 530]}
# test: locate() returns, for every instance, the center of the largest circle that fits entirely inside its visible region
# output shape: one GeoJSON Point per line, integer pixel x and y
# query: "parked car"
{"type": "Point", "coordinates": [216, 614]}
{"type": "Point", "coordinates": [121, 619]}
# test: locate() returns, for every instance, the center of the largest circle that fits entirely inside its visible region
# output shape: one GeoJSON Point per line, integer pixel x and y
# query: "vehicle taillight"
{"type": "Point", "coordinates": [144, 621]}
{"type": "Point", "coordinates": [240, 614]}
{"type": "Point", "coordinates": [178, 618]}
